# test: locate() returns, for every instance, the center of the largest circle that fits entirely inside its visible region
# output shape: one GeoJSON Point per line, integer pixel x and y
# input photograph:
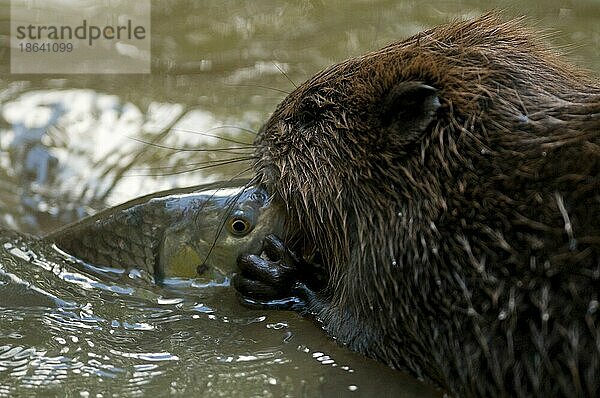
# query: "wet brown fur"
{"type": "Point", "coordinates": [471, 254]}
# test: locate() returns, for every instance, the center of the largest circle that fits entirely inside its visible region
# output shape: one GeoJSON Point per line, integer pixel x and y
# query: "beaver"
{"type": "Point", "coordinates": [447, 186]}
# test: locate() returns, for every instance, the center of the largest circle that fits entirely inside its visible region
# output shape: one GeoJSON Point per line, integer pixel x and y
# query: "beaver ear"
{"type": "Point", "coordinates": [409, 108]}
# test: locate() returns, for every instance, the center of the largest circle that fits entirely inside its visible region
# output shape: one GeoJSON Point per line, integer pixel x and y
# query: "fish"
{"type": "Point", "coordinates": [191, 232]}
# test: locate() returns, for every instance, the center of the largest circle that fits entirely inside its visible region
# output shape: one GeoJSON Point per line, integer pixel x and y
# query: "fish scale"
{"type": "Point", "coordinates": [172, 233]}
{"type": "Point", "coordinates": [120, 240]}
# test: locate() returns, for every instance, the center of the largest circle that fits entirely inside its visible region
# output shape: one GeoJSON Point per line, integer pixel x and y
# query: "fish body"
{"type": "Point", "coordinates": [185, 232]}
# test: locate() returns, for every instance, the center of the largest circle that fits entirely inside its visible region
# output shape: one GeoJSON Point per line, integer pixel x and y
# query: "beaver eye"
{"type": "Point", "coordinates": [239, 226]}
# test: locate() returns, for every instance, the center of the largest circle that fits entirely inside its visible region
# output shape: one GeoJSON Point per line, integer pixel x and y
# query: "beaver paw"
{"type": "Point", "coordinates": [268, 279]}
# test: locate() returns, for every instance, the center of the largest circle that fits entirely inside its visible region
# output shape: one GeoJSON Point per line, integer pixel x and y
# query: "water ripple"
{"type": "Point", "coordinates": [147, 356]}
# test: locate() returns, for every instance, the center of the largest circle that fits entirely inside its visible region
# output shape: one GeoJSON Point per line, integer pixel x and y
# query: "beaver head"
{"type": "Point", "coordinates": [450, 184]}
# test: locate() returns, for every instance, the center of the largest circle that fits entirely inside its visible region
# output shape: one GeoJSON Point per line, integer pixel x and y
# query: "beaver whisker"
{"type": "Point", "coordinates": [259, 86]}
{"type": "Point", "coordinates": [227, 213]}
{"type": "Point", "coordinates": [216, 164]}
{"type": "Point", "coordinates": [206, 162]}
{"type": "Point", "coordinates": [205, 133]}
{"type": "Point", "coordinates": [123, 170]}
{"type": "Point", "coordinates": [285, 74]}
{"type": "Point", "coordinates": [223, 183]}
{"type": "Point", "coordinates": [183, 149]}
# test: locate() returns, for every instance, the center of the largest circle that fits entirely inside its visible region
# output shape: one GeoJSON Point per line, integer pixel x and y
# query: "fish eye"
{"type": "Point", "coordinates": [239, 226]}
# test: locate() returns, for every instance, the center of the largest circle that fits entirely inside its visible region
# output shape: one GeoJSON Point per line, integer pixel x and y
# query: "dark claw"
{"type": "Point", "coordinates": [273, 246]}
{"type": "Point", "coordinates": [254, 289]}
{"type": "Point", "coordinates": [268, 276]}
{"type": "Point", "coordinates": [271, 272]}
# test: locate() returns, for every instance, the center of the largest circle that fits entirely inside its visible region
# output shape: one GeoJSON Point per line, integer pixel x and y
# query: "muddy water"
{"type": "Point", "coordinates": [72, 145]}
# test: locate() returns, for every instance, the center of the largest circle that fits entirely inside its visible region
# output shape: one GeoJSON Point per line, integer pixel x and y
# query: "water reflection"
{"type": "Point", "coordinates": [76, 151]}
{"type": "Point", "coordinates": [68, 327]}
